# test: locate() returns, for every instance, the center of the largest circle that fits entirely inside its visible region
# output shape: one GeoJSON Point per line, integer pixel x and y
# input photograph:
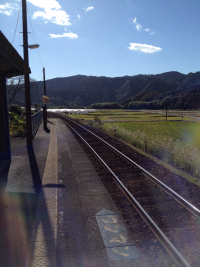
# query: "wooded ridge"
{"type": "Point", "coordinates": [81, 90]}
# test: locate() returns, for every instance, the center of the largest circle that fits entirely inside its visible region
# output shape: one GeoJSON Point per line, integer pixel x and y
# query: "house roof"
{"type": "Point", "coordinates": [11, 63]}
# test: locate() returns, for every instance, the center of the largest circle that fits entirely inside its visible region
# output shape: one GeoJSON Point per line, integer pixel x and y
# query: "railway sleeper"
{"type": "Point", "coordinates": [167, 223]}
{"type": "Point", "coordinates": [154, 201]}
{"type": "Point", "coordinates": [146, 192]}
{"type": "Point", "coordinates": [176, 238]}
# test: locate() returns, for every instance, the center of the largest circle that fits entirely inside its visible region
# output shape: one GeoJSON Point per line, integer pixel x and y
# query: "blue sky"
{"type": "Point", "coordinates": [107, 37]}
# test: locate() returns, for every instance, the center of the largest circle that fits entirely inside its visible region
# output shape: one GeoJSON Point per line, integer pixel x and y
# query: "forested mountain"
{"type": "Point", "coordinates": [179, 99]}
{"type": "Point", "coordinates": [84, 90]}
{"type": "Point", "coordinates": [177, 77]}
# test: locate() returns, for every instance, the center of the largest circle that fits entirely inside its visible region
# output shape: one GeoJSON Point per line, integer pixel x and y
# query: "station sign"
{"type": "Point", "coordinates": [45, 99]}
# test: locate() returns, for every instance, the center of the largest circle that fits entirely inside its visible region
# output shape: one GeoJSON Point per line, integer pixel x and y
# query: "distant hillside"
{"type": "Point", "coordinates": [81, 90]}
{"type": "Point", "coordinates": [179, 99]}
{"type": "Point", "coordinates": [177, 77]}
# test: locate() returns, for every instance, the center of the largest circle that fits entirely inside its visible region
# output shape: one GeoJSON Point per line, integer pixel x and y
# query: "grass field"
{"type": "Point", "coordinates": [174, 141]}
{"type": "Point", "coordinates": [125, 115]}
{"type": "Point", "coordinates": [185, 131]}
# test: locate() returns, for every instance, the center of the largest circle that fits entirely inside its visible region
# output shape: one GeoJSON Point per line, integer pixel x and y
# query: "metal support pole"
{"type": "Point", "coordinates": [5, 151]}
{"type": "Point", "coordinates": [26, 76]}
{"type": "Point", "coordinates": [44, 81]}
{"type": "Point", "coordinates": [44, 106]}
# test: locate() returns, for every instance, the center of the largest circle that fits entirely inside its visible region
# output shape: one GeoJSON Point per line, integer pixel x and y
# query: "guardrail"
{"type": "Point", "coordinates": [36, 120]}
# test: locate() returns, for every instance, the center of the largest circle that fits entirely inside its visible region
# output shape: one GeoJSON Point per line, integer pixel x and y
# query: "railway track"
{"type": "Point", "coordinates": [174, 221]}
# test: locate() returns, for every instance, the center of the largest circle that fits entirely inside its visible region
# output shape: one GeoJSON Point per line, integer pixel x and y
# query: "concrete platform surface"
{"type": "Point", "coordinates": [59, 212]}
{"type": "Point", "coordinates": [20, 185]}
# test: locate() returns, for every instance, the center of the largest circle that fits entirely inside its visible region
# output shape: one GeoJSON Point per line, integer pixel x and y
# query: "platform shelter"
{"type": "Point", "coordinates": [11, 64]}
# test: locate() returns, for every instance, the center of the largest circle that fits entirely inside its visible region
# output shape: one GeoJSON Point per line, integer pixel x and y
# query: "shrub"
{"type": "Point", "coordinates": [18, 127]}
{"type": "Point", "coordinates": [107, 105]}
{"type": "Point", "coordinates": [16, 109]}
{"type": "Point", "coordinates": [17, 124]}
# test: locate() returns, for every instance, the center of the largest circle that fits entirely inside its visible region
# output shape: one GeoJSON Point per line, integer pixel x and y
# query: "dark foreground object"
{"type": "Point", "coordinates": [20, 186]}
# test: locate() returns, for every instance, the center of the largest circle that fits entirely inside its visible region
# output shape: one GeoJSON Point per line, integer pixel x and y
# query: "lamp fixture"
{"type": "Point", "coordinates": [32, 46]}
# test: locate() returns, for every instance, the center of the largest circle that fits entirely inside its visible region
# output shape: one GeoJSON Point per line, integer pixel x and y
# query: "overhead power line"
{"type": "Point", "coordinates": [16, 23]}
{"type": "Point", "coordinates": [39, 75]}
{"type": "Point", "coordinates": [34, 36]}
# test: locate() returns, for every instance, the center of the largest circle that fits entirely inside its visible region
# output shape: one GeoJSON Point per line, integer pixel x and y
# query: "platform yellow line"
{"type": "Point", "coordinates": [42, 250]}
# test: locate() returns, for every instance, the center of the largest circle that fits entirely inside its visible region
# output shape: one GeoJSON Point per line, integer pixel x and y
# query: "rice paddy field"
{"type": "Point", "coordinates": [185, 131]}
{"type": "Point", "coordinates": [175, 141]}
{"type": "Point", "coordinates": [126, 115]}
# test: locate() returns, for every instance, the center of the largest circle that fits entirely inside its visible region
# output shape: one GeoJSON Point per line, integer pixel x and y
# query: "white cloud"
{"type": "Point", "coordinates": [3, 6]}
{"type": "Point", "coordinates": [6, 12]}
{"type": "Point", "coordinates": [7, 9]}
{"type": "Point", "coordinates": [149, 49]}
{"type": "Point", "coordinates": [59, 17]}
{"type": "Point", "coordinates": [137, 25]}
{"type": "Point", "coordinates": [9, 6]}
{"type": "Point", "coordinates": [134, 20]}
{"type": "Point", "coordinates": [47, 4]}
{"type": "Point", "coordinates": [89, 8]}
{"type": "Point", "coordinates": [52, 12]}
{"type": "Point", "coordinates": [70, 35]}
{"type": "Point", "coordinates": [79, 17]}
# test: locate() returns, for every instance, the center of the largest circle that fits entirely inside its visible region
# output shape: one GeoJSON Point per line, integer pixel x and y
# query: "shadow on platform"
{"type": "Point", "coordinates": [54, 185]}
{"type": "Point", "coordinates": [17, 213]}
{"type": "Point", "coordinates": [47, 130]}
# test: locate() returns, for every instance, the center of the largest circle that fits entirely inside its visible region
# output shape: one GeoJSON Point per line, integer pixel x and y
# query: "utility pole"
{"type": "Point", "coordinates": [26, 76]}
{"type": "Point", "coordinates": [166, 113]}
{"type": "Point", "coordinates": [44, 105]}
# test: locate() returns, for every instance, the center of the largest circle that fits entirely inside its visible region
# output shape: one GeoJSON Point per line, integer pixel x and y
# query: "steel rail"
{"type": "Point", "coordinates": [167, 189]}
{"type": "Point", "coordinates": [170, 248]}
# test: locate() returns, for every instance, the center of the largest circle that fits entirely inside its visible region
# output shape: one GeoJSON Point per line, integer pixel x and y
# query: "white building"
{"type": "Point", "coordinates": [72, 111]}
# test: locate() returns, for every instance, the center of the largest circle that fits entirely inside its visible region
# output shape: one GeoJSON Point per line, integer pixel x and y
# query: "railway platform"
{"type": "Point", "coordinates": [55, 211]}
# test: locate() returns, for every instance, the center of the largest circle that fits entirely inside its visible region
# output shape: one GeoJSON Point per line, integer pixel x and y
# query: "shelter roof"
{"type": "Point", "coordinates": [11, 63]}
